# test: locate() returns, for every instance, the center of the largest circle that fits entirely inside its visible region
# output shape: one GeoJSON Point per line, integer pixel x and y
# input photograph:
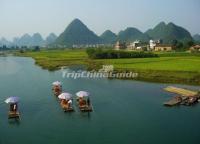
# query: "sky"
{"type": "Point", "coordinates": [18, 17]}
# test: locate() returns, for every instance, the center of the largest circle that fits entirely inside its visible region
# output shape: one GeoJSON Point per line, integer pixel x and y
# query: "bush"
{"type": "Point", "coordinates": [113, 54]}
{"type": "Point", "coordinates": [36, 49]}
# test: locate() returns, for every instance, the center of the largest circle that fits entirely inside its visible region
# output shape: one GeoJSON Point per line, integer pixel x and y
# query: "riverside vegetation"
{"type": "Point", "coordinates": [169, 67]}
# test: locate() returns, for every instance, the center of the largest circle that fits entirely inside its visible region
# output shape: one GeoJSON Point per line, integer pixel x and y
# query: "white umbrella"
{"type": "Point", "coordinates": [82, 94]}
{"type": "Point", "coordinates": [65, 95]}
{"type": "Point", "coordinates": [12, 100]}
{"type": "Point", "coordinates": [56, 83]}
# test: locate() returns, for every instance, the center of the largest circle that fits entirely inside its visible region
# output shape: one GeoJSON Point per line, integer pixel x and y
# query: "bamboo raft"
{"type": "Point", "coordinates": [186, 97]}
{"type": "Point", "coordinates": [57, 90]}
{"type": "Point", "coordinates": [181, 91]}
{"type": "Point", "coordinates": [70, 109]}
{"type": "Point", "coordinates": [66, 108]}
{"type": "Point", "coordinates": [13, 115]}
{"type": "Point", "coordinates": [86, 108]}
{"type": "Point", "coordinates": [174, 101]}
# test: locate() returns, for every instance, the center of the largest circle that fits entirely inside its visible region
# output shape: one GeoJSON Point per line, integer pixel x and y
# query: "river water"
{"type": "Point", "coordinates": [125, 111]}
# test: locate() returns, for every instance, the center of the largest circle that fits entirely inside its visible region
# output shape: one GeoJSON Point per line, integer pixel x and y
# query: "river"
{"type": "Point", "coordinates": [125, 111]}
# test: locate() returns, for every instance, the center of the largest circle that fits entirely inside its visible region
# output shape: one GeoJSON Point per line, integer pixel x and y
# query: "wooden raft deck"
{"type": "Point", "coordinates": [86, 108]}
{"type": "Point", "coordinates": [174, 101]}
{"type": "Point", "coordinates": [12, 115]}
{"type": "Point", "coordinates": [181, 91]}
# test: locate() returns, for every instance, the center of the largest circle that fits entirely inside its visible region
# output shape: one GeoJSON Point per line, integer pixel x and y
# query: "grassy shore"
{"type": "Point", "coordinates": [55, 59]}
{"type": "Point", "coordinates": [173, 67]}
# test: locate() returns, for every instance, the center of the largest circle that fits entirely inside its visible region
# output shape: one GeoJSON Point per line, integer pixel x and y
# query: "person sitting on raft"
{"type": "Point", "coordinates": [14, 107]}
{"type": "Point", "coordinates": [57, 89]}
{"type": "Point", "coordinates": [82, 102]}
{"type": "Point", "coordinates": [66, 104]}
{"type": "Point", "coordinates": [69, 103]}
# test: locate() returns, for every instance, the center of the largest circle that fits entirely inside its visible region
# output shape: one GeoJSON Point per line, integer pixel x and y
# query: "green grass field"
{"type": "Point", "coordinates": [187, 64]}
{"type": "Point", "coordinates": [176, 67]}
{"type": "Point", "coordinates": [54, 59]}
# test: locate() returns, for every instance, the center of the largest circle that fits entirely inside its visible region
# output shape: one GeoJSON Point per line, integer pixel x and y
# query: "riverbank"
{"type": "Point", "coordinates": [168, 67]}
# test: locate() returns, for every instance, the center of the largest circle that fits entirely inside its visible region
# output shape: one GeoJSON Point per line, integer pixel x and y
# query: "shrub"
{"type": "Point", "coordinates": [113, 54]}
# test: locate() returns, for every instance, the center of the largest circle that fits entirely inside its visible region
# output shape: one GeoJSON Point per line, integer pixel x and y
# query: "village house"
{"type": "Point", "coordinates": [163, 47]}
{"type": "Point", "coordinates": [195, 48]}
{"type": "Point", "coordinates": [138, 46]}
{"type": "Point", "coordinates": [134, 45]}
{"type": "Point", "coordinates": [120, 45]}
{"type": "Point", "coordinates": [158, 46]}
{"type": "Point", "coordinates": [153, 43]}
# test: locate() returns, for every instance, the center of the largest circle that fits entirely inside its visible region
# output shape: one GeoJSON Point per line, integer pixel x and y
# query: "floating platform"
{"type": "Point", "coordinates": [190, 101]}
{"type": "Point", "coordinates": [181, 91]}
{"type": "Point", "coordinates": [66, 108]}
{"type": "Point", "coordinates": [57, 93]}
{"type": "Point", "coordinates": [71, 109]}
{"type": "Point", "coordinates": [13, 115]}
{"type": "Point", "coordinates": [86, 108]}
{"type": "Point", "coordinates": [186, 97]}
{"type": "Point", "coordinates": [57, 90]}
{"type": "Point", "coordinates": [174, 101]}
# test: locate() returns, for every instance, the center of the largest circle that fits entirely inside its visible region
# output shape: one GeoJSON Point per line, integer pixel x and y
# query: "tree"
{"type": "Point", "coordinates": [179, 45]}
{"type": "Point", "coordinates": [36, 48]}
{"type": "Point", "coordinates": [174, 42]}
{"type": "Point", "coordinates": [21, 51]}
{"type": "Point", "coordinates": [4, 47]}
{"type": "Point", "coordinates": [189, 43]}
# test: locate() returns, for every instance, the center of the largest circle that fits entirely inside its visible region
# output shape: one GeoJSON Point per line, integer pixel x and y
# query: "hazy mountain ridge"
{"type": "Point", "coordinates": [77, 33]}
{"type": "Point", "coordinates": [4, 41]}
{"type": "Point", "coordinates": [109, 37]}
{"type": "Point", "coordinates": [196, 37]}
{"type": "Point", "coordinates": [131, 34]}
{"type": "Point", "coordinates": [169, 32]}
{"type": "Point", "coordinates": [51, 38]}
{"type": "Point", "coordinates": [28, 40]}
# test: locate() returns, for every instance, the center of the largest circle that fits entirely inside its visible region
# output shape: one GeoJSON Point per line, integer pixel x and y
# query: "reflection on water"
{"type": "Point", "coordinates": [14, 121]}
{"type": "Point", "coordinates": [8, 66]}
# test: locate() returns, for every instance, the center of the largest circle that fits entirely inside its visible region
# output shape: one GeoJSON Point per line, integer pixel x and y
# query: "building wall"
{"type": "Point", "coordinates": [119, 46]}
{"type": "Point", "coordinates": [195, 48]}
{"type": "Point", "coordinates": [159, 48]}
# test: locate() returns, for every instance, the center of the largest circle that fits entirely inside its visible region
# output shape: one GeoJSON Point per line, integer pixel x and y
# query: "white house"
{"type": "Point", "coordinates": [152, 44]}
{"type": "Point", "coordinates": [133, 45]}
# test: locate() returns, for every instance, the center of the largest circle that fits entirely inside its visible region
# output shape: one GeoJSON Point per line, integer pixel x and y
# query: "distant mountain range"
{"type": "Point", "coordinates": [51, 38]}
{"type": "Point", "coordinates": [196, 37]}
{"type": "Point", "coordinates": [3, 41]}
{"type": "Point", "coordinates": [27, 40]}
{"type": "Point", "coordinates": [77, 33]}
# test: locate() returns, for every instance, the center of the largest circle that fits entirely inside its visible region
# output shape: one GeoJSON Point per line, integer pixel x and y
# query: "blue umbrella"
{"type": "Point", "coordinates": [12, 100]}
